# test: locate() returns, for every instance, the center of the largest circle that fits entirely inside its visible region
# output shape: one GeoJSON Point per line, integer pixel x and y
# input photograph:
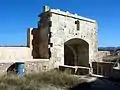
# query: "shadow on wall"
{"type": "Point", "coordinates": [102, 68]}
{"type": "Point", "coordinates": [17, 68]}
{"type": "Point", "coordinates": [13, 68]}
{"type": "Point", "coordinates": [35, 44]}
{"type": "Point", "coordinates": [99, 84]}
{"type": "Point", "coordinates": [40, 45]}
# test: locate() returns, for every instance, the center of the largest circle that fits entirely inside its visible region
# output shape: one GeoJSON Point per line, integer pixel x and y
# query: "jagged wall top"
{"type": "Point", "coordinates": [66, 13]}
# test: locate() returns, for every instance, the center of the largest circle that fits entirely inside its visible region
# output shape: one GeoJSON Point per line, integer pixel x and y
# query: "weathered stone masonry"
{"type": "Point", "coordinates": [61, 38]}
{"type": "Point", "coordinates": [66, 33]}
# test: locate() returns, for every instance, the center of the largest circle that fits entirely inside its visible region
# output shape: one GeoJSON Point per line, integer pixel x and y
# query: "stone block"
{"type": "Point", "coordinates": [82, 71]}
{"type": "Point", "coordinates": [77, 70]}
{"type": "Point", "coordinates": [67, 68]}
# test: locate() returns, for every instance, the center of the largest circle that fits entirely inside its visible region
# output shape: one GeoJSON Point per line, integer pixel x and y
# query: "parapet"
{"type": "Point", "coordinates": [68, 14]}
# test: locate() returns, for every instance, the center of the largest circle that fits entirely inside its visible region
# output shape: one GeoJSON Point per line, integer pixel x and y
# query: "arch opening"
{"type": "Point", "coordinates": [76, 52]}
{"type": "Point", "coordinates": [16, 68]}
{"type": "Point", "coordinates": [13, 68]}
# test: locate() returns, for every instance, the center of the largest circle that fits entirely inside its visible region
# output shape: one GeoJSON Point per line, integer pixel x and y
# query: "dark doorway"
{"type": "Point", "coordinates": [76, 52]}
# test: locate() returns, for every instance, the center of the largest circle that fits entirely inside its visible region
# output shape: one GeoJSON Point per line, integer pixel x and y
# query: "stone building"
{"type": "Point", "coordinates": [61, 38]}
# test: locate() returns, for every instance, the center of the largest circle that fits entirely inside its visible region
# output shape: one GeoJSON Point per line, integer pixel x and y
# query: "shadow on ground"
{"type": "Point", "coordinates": [99, 84]}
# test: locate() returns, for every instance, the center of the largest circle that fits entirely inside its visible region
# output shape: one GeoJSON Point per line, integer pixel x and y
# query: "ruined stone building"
{"type": "Point", "coordinates": [61, 38]}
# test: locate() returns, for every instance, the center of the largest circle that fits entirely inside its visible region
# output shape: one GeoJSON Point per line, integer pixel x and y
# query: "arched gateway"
{"type": "Point", "coordinates": [76, 52]}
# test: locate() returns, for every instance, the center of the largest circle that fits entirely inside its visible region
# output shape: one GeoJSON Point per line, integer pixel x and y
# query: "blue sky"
{"type": "Point", "coordinates": [18, 15]}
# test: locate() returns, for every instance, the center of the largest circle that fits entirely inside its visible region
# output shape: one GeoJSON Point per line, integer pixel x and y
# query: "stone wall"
{"type": "Point", "coordinates": [37, 66]}
{"type": "Point", "coordinates": [4, 66]}
{"type": "Point", "coordinates": [64, 28]}
{"type": "Point", "coordinates": [100, 55]}
{"type": "Point", "coordinates": [102, 68]}
{"type": "Point", "coordinates": [31, 65]}
{"type": "Point", "coordinates": [43, 31]}
{"type": "Point", "coordinates": [55, 27]}
{"type": "Point", "coordinates": [15, 53]}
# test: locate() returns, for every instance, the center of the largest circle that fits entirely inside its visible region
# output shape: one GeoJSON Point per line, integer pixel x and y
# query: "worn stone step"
{"type": "Point", "coordinates": [78, 70]}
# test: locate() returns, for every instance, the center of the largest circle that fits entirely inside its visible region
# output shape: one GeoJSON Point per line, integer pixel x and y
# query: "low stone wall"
{"type": "Point", "coordinates": [4, 67]}
{"type": "Point", "coordinates": [37, 66]}
{"type": "Point", "coordinates": [15, 53]}
{"type": "Point", "coordinates": [101, 54]}
{"type": "Point", "coordinates": [102, 68]}
{"type": "Point", "coordinates": [31, 66]}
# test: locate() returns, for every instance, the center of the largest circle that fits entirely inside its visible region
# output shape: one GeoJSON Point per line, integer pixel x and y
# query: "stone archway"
{"type": "Point", "coordinates": [13, 68]}
{"type": "Point", "coordinates": [76, 52]}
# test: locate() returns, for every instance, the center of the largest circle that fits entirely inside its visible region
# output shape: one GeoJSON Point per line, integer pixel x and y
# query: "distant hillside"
{"type": "Point", "coordinates": [108, 48]}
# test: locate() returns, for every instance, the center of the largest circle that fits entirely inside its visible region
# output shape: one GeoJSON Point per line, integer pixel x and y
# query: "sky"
{"type": "Point", "coordinates": [16, 16]}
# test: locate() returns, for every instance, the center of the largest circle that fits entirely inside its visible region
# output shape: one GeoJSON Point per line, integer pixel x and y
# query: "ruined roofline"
{"type": "Point", "coordinates": [59, 12]}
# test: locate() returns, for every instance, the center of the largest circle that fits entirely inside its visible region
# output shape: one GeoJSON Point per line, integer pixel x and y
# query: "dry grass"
{"type": "Point", "coordinates": [38, 81]}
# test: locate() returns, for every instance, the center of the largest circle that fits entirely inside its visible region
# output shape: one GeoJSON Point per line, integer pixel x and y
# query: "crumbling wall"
{"type": "Point", "coordinates": [43, 31]}
{"type": "Point", "coordinates": [33, 42]}
{"type": "Point", "coordinates": [101, 54]}
{"type": "Point", "coordinates": [55, 27]}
